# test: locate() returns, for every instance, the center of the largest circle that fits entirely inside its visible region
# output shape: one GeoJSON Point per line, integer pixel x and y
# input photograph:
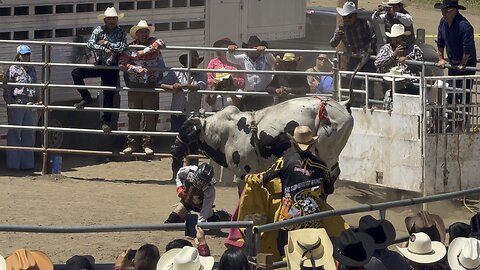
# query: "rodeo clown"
{"type": "Point", "coordinates": [196, 189]}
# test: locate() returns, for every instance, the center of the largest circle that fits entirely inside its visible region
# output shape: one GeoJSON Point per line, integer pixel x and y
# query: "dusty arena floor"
{"type": "Point", "coordinates": [134, 192]}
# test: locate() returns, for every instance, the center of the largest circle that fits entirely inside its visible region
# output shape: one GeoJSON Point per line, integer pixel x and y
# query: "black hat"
{"type": "Point", "coordinates": [223, 42]}
{"type": "Point", "coordinates": [353, 248]}
{"type": "Point", "coordinates": [458, 229]}
{"type": "Point", "coordinates": [193, 54]}
{"type": "Point", "coordinates": [254, 41]}
{"type": "Point", "coordinates": [382, 231]}
{"type": "Point", "coordinates": [80, 262]}
{"type": "Point", "coordinates": [449, 3]}
{"type": "Point", "coordinates": [475, 223]}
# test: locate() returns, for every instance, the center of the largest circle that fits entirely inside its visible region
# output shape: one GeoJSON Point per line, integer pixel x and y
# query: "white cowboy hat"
{"type": "Point", "coordinates": [464, 253]}
{"type": "Point", "coordinates": [289, 57]}
{"type": "Point", "coordinates": [397, 30]}
{"type": "Point", "coordinates": [305, 245]}
{"type": "Point", "coordinates": [302, 137]}
{"type": "Point", "coordinates": [110, 12]}
{"type": "Point", "coordinates": [142, 24]}
{"type": "Point", "coordinates": [3, 265]}
{"type": "Point", "coordinates": [186, 258]}
{"type": "Point", "coordinates": [347, 9]}
{"type": "Point", "coordinates": [392, 2]}
{"type": "Point", "coordinates": [423, 250]}
{"type": "Point", "coordinates": [396, 71]}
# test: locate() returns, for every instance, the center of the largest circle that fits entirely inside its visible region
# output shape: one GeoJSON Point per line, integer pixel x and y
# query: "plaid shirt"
{"type": "Point", "coordinates": [357, 37]}
{"type": "Point", "coordinates": [386, 59]}
{"type": "Point", "coordinates": [117, 42]}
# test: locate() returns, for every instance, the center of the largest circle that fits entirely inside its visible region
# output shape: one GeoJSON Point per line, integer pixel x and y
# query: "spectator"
{"type": "Point", "coordinates": [177, 243]}
{"type": "Point", "coordinates": [321, 84]}
{"type": "Point", "coordinates": [21, 73]}
{"type": "Point", "coordinates": [184, 258]}
{"type": "Point", "coordinates": [455, 34]}
{"type": "Point", "coordinates": [259, 60]}
{"type": "Point", "coordinates": [309, 248]}
{"type": "Point", "coordinates": [458, 229]}
{"type": "Point", "coordinates": [3, 265]}
{"type": "Point", "coordinates": [425, 222]}
{"type": "Point", "coordinates": [108, 41]}
{"type": "Point", "coordinates": [200, 241]}
{"type": "Point", "coordinates": [142, 69]}
{"type": "Point", "coordinates": [464, 253]}
{"type": "Point", "coordinates": [422, 252]}
{"type": "Point", "coordinates": [401, 86]}
{"type": "Point", "coordinates": [224, 81]}
{"type": "Point", "coordinates": [383, 234]}
{"type": "Point", "coordinates": [233, 259]}
{"type": "Point", "coordinates": [24, 259]}
{"type": "Point", "coordinates": [80, 263]}
{"type": "Point", "coordinates": [146, 258]}
{"type": "Point", "coordinates": [285, 84]}
{"type": "Point", "coordinates": [393, 12]}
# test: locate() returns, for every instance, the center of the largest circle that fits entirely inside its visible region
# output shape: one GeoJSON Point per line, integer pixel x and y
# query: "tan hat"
{"type": "Point", "coordinates": [309, 245]}
{"type": "Point", "coordinates": [396, 71]}
{"type": "Point", "coordinates": [421, 249]}
{"type": "Point", "coordinates": [110, 12]}
{"type": "Point", "coordinates": [464, 253]}
{"type": "Point", "coordinates": [142, 24]}
{"type": "Point", "coordinates": [3, 265]}
{"type": "Point", "coordinates": [23, 259]}
{"type": "Point", "coordinates": [430, 224]}
{"type": "Point", "coordinates": [186, 258]}
{"type": "Point", "coordinates": [289, 57]}
{"type": "Point", "coordinates": [303, 137]}
{"type": "Point", "coordinates": [397, 30]}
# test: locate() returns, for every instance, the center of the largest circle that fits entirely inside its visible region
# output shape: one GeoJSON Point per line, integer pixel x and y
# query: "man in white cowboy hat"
{"type": "Point", "coordinates": [464, 254]}
{"type": "Point", "coordinates": [142, 68]}
{"type": "Point", "coordinates": [321, 84]}
{"type": "Point", "coordinates": [284, 84]}
{"type": "Point", "coordinates": [392, 12]}
{"type": "Point", "coordinates": [422, 252]}
{"type": "Point", "coordinates": [107, 41]}
{"type": "Point", "coordinates": [186, 258]}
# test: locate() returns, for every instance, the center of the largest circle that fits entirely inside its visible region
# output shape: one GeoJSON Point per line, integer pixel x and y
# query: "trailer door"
{"type": "Point", "coordinates": [224, 20]}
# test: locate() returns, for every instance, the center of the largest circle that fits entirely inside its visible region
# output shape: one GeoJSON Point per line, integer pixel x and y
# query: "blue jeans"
{"type": "Point", "coordinates": [17, 159]}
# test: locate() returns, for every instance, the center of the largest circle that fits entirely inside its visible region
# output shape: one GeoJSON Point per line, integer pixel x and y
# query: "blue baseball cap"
{"type": "Point", "coordinates": [23, 49]}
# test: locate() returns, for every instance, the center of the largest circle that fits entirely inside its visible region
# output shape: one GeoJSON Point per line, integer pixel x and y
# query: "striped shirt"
{"type": "Point", "coordinates": [386, 59]}
{"type": "Point", "coordinates": [117, 42]}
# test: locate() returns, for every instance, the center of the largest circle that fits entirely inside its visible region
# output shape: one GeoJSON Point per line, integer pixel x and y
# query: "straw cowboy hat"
{"type": "Point", "coordinates": [222, 76]}
{"type": "Point", "coordinates": [303, 137]}
{"type": "Point", "coordinates": [194, 54]}
{"type": "Point", "coordinates": [142, 24]}
{"type": "Point", "coordinates": [3, 265]}
{"type": "Point", "coordinates": [308, 248]}
{"type": "Point", "coordinates": [396, 71]}
{"type": "Point", "coordinates": [289, 57]}
{"type": "Point", "coordinates": [421, 249]}
{"type": "Point", "coordinates": [110, 12]}
{"type": "Point", "coordinates": [353, 248]}
{"type": "Point", "coordinates": [393, 2]}
{"type": "Point", "coordinates": [186, 258]}
{"type": "Point", "coordinates": [464, 253]}
{"type": "Point", "coordinates": [397, 30]}
{"type": "Point", "coordinates": [430, 224]}
{"type": "Point", "coordinates": [23, 259]}
{"type": "Point", "coordinates": [449, 3]}
{"type": "Point", "coordinates": [347, 9]}
{"type": "Point", "coordinates": [253, 42]}
{"type": "Point", "coordinates": [382, 231]}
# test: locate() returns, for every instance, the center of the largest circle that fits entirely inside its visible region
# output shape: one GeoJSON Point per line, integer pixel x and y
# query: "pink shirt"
{"type": "Point", "coordinates": [216, 63]}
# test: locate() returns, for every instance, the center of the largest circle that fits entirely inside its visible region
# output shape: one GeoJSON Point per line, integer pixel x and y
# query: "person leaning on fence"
{"type": "Point", "coordinates": [393, 12]}
{"type": "Point", "coordinates": [142, 68]}
{"type": "Point", "coordinates": [21, 73]}
{"type": "Point", "coordinates": [146, 258]}
{"type": "Point", "coordinates": [321, 84]}
{"type": "Point", "coordinates": [108, 41]}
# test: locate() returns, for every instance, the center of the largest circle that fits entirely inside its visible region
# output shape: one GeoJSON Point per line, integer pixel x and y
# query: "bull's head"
{"type": "Point", "coordinates": [190, 130]}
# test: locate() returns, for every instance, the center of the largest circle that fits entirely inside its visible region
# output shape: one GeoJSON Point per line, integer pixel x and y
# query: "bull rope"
{"type": "Point", "coordinates": [322, 114]}
{"type": "Point", "coordinates": [254, 129]}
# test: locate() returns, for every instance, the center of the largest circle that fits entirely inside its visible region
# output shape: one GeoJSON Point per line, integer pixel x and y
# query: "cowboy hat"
{"type": "Point", "coordinates": [223, 42]}
{"type": "Point", "coordinates": [458, 229]}
{"type": "Point", "coordinates": [142, 24]}
{"type": "Point", "coordinates": [309, 245]}
{"type": "Point", "coordinates": [353, 248]}
{"type": "Point", "coordinates": [421, 249]}
{"type": "Point", "coordinates": [3, 265]}
{"type": "Point", "coordinates": [382, 231]}
{"type": "Point", "coordinates": [110, 12]}
{"type": "Point", "coordinates": [254, 41]}
{"type": "Point", "coordinates": [449, 3]}
{"type": "Point", "coordinates": [80, 262]}
{"type": "Point", "coordinates": [194, 54]}
{"type": "Point", "coordinates": [396, 71]}
{"type": "Point", "coordinates": [347, 9]}
{"type": "Point", "coordinates": [464, 253]}
{"type": "Point", "coordinates": [186, 258]}
{"type": "Point", "coordinates": [430, 224]}
{"type": "Point", "coordinates": [25, 259]}
{"type": "Point", "coordinates": [289, 57]}
{"type": "Point", "coordinates": [393, 2]}
{"type": "Point", "coordinates": [302, 137]}
{"type": "Point", "coordinates": [397, 30]}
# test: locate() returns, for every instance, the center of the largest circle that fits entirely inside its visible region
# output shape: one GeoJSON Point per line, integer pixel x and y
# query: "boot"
{"type": "Point", "coordinates": [174, 218]}
{"type": "Point", "coordinates": [131, 146]}
{"type": "Point", "coordinates": [147, 145]}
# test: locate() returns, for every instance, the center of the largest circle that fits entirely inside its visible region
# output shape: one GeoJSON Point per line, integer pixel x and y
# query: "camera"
{"type": "Point", "coordinates": [131, 254]}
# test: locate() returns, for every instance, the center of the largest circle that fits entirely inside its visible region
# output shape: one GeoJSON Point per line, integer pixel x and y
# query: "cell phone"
{"type": "Point", "coordinates": [191, 221]}
{"type": "Point", "coordinates": [131, 254]}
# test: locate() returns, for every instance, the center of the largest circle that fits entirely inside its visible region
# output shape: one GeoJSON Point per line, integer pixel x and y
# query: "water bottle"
{"type": "Point", "coordinates": [56, 164]}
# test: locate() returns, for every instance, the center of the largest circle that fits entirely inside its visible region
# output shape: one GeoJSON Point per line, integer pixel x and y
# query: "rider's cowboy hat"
{"type": "Point", "coordinates": [303, 137]}
{"type": "Point", "coordinates": [397, 30]}
{"type": "Point", "coordinates": [28, 259]}
{"type": "Point", "coordinates": [430, 224]}
{"type": "Point", "coordinates": [393, 2]}
{"type": "Point", "coordinates": [186, 258]}
{"type": "Point", "coordinates": [464, 253]}
{"type": "Point", "coordinates": [449, 3]}
{"type": "Point", "coordinates": [289, 57]}
{"type": "Point", "coordinates": [110, 12]}
{"type": "Point", "coordinates": [347, 9]}
{"type": "Point", "coordinates": [421, 249]}
{"type": "Point", "coordinates": [193, 54]}
{"type": "Point", "coordinates": [309, 245]}
{"type": "Point", "coordinates": [142, 24]}
{"type": "Point", "coordinates": [397, 71]}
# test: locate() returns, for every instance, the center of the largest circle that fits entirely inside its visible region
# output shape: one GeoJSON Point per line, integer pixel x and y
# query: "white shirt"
{"type": "Point", "coordinates": [254, 82]}
{"type": "Point", "coordinates": [405, 19]}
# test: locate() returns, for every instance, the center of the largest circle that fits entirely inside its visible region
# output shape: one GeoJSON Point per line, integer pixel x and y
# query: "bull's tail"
{"type": "Point", "coordinates": [348, 104]}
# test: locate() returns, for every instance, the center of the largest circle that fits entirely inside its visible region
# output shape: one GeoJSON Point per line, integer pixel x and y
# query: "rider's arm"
{"type": "Point", "coordinates": [276, 170]}
{"type": "Point", "coordinates": [207, 206]}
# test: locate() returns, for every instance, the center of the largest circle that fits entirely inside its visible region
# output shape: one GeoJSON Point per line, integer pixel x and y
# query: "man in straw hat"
{"type": "Point", "coordinates": [285, 84]}
{"type": "Point", "coordinates": [392, 12]}
{"type": "Point", "coordinates": [107, 41]}
{"type": "Point", "coordinates": [142, 69]}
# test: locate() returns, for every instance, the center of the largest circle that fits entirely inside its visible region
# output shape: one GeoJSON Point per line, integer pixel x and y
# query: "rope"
{"type": "Point", "coordinates": [254, 129]}
{"type": "Point", "coordinates": [322, 114]}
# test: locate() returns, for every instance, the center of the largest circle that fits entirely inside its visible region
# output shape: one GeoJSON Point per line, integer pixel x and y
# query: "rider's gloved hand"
{"type": "Point", "coordinates": [181, 192]}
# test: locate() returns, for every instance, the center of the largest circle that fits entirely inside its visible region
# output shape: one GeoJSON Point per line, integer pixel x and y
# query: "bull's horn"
{"type": "Point", "coordinates": [345, 102]}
